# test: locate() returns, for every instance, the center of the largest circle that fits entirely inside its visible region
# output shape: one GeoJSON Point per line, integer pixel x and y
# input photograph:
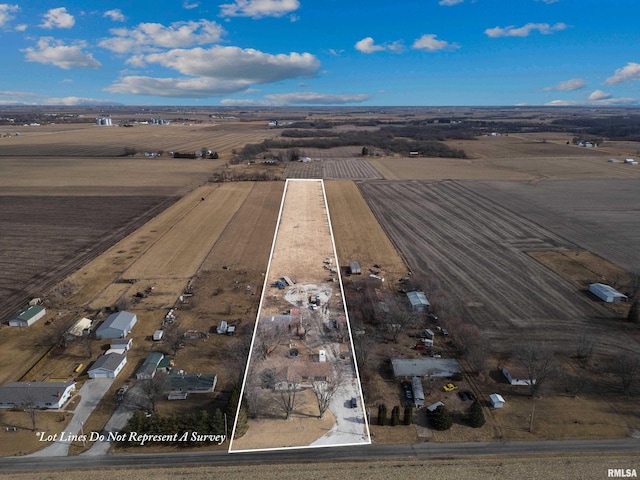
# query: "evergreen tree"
{"type": "Point", "coordinates": [441, 418]}
{"type": "Point", "coordinates": [395, 416]}
{"type": "Point", "coordinates": [382, 414]}
{"type": "Point", "coordinates": [365, 151]}
{"type": "Point", "coordinates": [476, 416]}
{"type": "Point", "coordinates": [408, 415]}
{"type": "Point", "coordinates": [217, 422]}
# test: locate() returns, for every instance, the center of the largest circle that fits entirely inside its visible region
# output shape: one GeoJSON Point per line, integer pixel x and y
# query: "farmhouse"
{"type": "Point", "coordinates": [424, 367]}
{"type": "Point", "coordinates": [607, 293]}
{"type": "Point", "coordinates": [38, 394]}
{"type": "Point", "coordinates": [517, 377]}
{"type": "Point", "coordinates": [192, 383]}
{"type": "Point", "coordinates": [418, 301]}
{"type": "Point", "coordinates": [148, 369]}
{"type": "Point", "coordinates": [28, 316]}
{"type": "Point", "coordinates": [117, 325]}
{"type": "Point", "coordinates": [108, 365]}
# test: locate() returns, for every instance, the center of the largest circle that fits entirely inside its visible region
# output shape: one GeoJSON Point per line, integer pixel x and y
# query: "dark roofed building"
{"type": "Point", "coordinates": [39, 394]}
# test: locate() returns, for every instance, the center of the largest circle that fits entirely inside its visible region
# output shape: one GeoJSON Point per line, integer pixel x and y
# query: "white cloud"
{"type": "Point", "coordinates": [54, 52]}
{"type": "Point", "coordinates": [599, 95]}
{"type": "Point", "coordinates": [548, 2]}
{"type": "Point", "coordinates": [58, 18]}
{"type": "Point", "coordinates": [190, 6]}
{"type": "Point", "coordinates": [569, 85]}
{"type": "Point", "coordinates": [147, 36]}
{"type": "Point", "coordinates": [449, 3]}
{"type": "Point", "coordinates": [258, 8]}
{"type": "Point", "coordinates": [367, 45]}
{"type": "Point", "coordinates": [309, 98]}
{"type": "Point", "coordinates": [524, 31]}
{"type": "Point", "coordinates": [21, 28]}
{"type": "Point", "coordinates": [72, 101]}
{"type": "Point", "coordinates": [631, 71]}
{"type": "Point", "coordinates": [116, 15]}
{"type": "Point", "coordinates": [429, 42]}
{"type": "Point", "coordinates": [177, 87]}
{"type": "Point", "coordinates": [234, 63]}
{"type": "Point", "coordinates": [6, 13]}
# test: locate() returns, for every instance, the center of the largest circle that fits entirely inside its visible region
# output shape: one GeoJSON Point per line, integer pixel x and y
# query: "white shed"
{"type": "Point", "coordinates": [496, 400]}
{"type": "Point", "coordinates": [607, 293]}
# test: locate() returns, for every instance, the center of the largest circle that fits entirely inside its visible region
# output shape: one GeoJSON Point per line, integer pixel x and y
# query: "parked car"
{"type": "Point", "coordinates": [354, 402]}
{"type": "Point", "coordinates": [470, 395]}
{"type": "Point", "coordinates": [463, 396]}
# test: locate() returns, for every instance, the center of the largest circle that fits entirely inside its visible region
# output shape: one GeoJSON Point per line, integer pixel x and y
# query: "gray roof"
{"type": "Point", "coordinates": [604, 291]}
{"type": "Point", "coordinates": [192, 382]}
{"type": "Point", "coordinates": [417, 298]}
{"type": "Point", "coordinates": [110, 361]}
{"type": "Point", "coordinates": [418, 367]}
{"type": "Point", "coordinates": [119, 321]}
{"type": "Point", "coordinates": [38, 392]}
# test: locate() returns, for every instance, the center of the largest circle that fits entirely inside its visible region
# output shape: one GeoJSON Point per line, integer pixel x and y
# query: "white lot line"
{"type": "Point", "coordinates": [351, 425]}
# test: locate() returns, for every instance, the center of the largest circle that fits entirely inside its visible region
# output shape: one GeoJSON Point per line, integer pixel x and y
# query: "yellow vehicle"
{"type": "Point", "coordinates": [78, 367]}
{"type": "Point", "coordinates": [449, 387]}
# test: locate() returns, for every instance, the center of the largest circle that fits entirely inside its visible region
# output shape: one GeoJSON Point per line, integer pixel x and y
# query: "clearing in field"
{"type": "Point", "coordinates": [302, 386]}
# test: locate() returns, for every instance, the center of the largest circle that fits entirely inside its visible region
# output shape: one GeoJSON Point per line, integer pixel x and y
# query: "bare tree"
{"type": "Point", "coordinates": [477, 357]}
{"type": "Point", "coordinates": [238, 355]}
{"type": "Point", "coordinates": [325, 390]}
{"type": "Point", "coordinates": [634, 312]}
{"type": "Point", "coordinates": [153, 389]}
{"type": "Point", "coordinates": [287, 395]}
{"type": "Point", "coordinates": [363, 345]}
{"type": "Point", "coordinates": [627, 368]}
{"type": "Point", "coordinates": [173, 338]}
{"type": "Point", "coordinates": [268, 338]}
{"type": "Point", "coordinates": [123, 303]}
{"type": "Point", "coordinates": [538, 363]}
{"type": "Point", "coordinates": [87, 343]}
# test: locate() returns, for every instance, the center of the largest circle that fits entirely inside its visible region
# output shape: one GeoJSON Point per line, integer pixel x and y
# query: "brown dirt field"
{"type": "Point", "coordinates": [357, 233]}
{"type": "Point", "coordinates": [85, 176]}
{"type": "Point", "coordinates": [92, 140]}
{"type": "Point", "coordinates": [529, 467]}
{"type": "Point", "coordinates": [27, 440]}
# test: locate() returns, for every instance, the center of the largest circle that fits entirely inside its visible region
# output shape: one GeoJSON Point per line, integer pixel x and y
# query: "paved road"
{"type": "Point", "coordinates": [423, 450]}
{"type": "Point", "coordinates": [90, 395]}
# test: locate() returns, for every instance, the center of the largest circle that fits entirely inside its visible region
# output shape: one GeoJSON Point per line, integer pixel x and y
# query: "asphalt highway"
{"type": "Point", "coordinates": [334, 454]}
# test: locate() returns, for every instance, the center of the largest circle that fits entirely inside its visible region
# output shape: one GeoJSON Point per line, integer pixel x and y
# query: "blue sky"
{"type": "Point", "coordinates": [320, 52]}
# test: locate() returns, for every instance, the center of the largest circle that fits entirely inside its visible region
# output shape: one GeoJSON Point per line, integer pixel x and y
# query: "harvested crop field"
{"type": "Point", "coordinates": [349, 168]}
{"type": "Point", "coordinates": [89, 140]}
{"type": "Point", "coordinates": [598, 215]}
{"type": "Point", "coordinates": [61, 234]}
{"type": "Point", "coordinates": [477, 249]}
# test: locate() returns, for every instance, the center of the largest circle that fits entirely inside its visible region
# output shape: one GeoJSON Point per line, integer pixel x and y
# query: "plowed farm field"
{"type": "Point", "coordinates": [478, 250]}
{"type": "Point", "coordinates": [88, 140]}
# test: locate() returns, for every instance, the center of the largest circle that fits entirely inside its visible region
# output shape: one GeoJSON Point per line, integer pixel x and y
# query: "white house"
{"type": "Point", "coordinates": [28, 316]}
{"type": "Point", "coordinates": [108, 366]}
{"type": "Point", "coordinates": [39, 394]}
{"type": "Point", "coordinates": [117, 325]}
{"type": "Point", "coordinates": [118, 343]}
{"type": "Point", "coordinates": [496, 400]}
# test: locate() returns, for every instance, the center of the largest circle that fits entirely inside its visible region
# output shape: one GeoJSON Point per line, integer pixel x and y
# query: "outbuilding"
{"type": "Point", "coordinates": [148, 369]}
{"type": "Point", "coordinates": [28, 316]}
{"type": "Point", "coordinates": [496, 400]}
{"type": "Point", "coordinates": [108, 365]}
{"type": "Point", "coordinates": [607, 293]}
{"type": "Point", "coordinates": [418, 301]}
{"type": "Point", "coordinates": [117, 325]}
{"type": "Point", "coordinates": [80, 328]}
{"type": "Point", "coordinates": [418, 392]}
{"type": "Point", "coordinates": [354, 268]}
{"type": "Point", "coordinates": [424, 367]}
